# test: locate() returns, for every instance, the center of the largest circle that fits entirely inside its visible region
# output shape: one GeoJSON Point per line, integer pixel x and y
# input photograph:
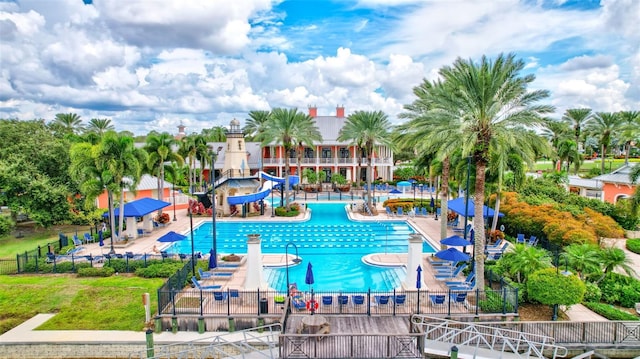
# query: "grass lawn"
{"type": "Point", "coordinates": [113, 303]}
{"type": "Point", "coordinates": [32, 237]}
{"type": "Point", "coordinates": [610, 165]}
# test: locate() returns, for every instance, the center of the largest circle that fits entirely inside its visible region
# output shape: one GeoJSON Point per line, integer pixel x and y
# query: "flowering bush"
{"type": "Point", "coordinates": [163, 218]}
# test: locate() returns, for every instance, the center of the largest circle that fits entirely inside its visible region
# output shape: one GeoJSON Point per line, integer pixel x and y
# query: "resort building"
{"type": "Point", "coordinates": [617, 184]}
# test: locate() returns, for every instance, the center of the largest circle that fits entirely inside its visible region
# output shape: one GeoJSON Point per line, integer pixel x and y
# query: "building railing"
{"type": "Point", "coordinates": [330, 161]}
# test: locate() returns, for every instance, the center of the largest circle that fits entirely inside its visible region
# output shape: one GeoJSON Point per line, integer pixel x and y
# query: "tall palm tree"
{"type": "Point", "coordinates": [188, 149]}
{"type": "Point", "coordinates": [568, 151]}
{"type": "Point", "coordinates": [255, 124]}
{"type": "Point", "coordinates": [69, 122]}
{"type": "Point", "coordinates": [215, 134]}
{"type": "Point", "coordinates": [486, 106]}
{"type": "Point", "coordinates": [605, 125]}
{"type": "Point", "coordinates": [578, 118]}
{"type": "Point", "coordinates": [288, 127]}
{"type": "Point", "coordinates": [100, 126]}
{"type": "Point", "coordinates": [631, 130]}
{"type": "Point", "coordinates": [555, 131]}
{"type": "Point", "coordinates": [161, 157]}
{"type": "Point", "coordinates": [370, 129]}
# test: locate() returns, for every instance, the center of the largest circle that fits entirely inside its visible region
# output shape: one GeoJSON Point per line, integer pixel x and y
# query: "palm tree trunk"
{"type": "Point", "coordinates": [112, 214]}
{"type": "Point", "coordinates": [286, 180]}
{"type": "Point", "coordinates": [478, 226]}
{"type": "Point", "coordinates": [161, 186]}
{"type": "Point", "coordinates": [602, 160]}
{"type": "Point", "coordinates": [121, 217]}
{"type": "Point", "coordinates": [444, 198]}
{"type": "Point", "coordinates": [369, 175]}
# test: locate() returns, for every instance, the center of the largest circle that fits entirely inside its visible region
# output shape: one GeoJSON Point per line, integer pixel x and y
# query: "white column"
{"type": "Point", "coordinates": [254, 279]}
{"type": "Point", "coordinates": [132, 227]}
{"type": "Point", "coordinates": [414, 259]}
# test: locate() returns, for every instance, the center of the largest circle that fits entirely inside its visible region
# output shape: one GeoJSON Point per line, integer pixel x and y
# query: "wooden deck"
{"type": "Point", "coordinates": [360, 324]}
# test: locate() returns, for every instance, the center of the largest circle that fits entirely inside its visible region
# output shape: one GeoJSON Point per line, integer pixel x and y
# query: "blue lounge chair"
{"type": "Point", "coordinates": [327, 300]}
{"type": "Point", "coordinates": [467, 280]}
{"type": "Point", "coordinates": [498, 250]}
{"type": "Point", "coordinates": [533, 240]}
{"type": "Point", "coordinates": [389, 211]}
{"type": "Point", "coordinates": [437, 299]}
{"type": "Point", "coordinates": [343, 299]}
{"type": "Point", "coordinates": [424, 212]}
{"type": "Point", "coordinates": [195, 282]}
{"type": "Point", "coordinates": [459, 298]}
{"type": "Point", "coordinates": [399, 211]}
{"type": "Point", "coordinates": [496, 245]}
{"type": "Point", "coordinates": [381, 301]}
{"type": "Point", "coordinates": [204, 275]}
{"type": "Point", "coordinates": [400, 299]}
{"type": "Point", "coordinates": [298, 303]}
{"type": "Point", "coordinates": [358, 299]}
{"type": "Point", "coordinates": [88, 238]}
{"type": "Point", "coordinates": [520, 238]}
{"type": "Point", "coordinates": [450, 275]}
{"type": "Point", "coordinates": [220, 296]}
{"type": "Point", "coordinates": [76, 241]}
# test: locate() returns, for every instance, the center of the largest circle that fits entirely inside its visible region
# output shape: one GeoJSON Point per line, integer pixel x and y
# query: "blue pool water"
{"type": "Point", "coordinates": [329, 240]}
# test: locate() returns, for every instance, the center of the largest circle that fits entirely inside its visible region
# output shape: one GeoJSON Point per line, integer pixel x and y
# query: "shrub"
{"type": "Point", "coordinates": [610, 312]}
{"type": "Point", "coordinates": [282, 211]}
{"type": "Point", "coordinates": [95, 272]}
{"type": "Point", "coordinates": [593, 293]}
{"type": "Point", "coordinates": [159, 270]}
{"type": "Point", "coordinates": [6, 225]}
{"type": "Point", "coordinates": [620, 289]}
{"type": "Point", "coordinates": [548, 287]}
{"type": "Point", "coordinates": [633, 245]}
{"type": "Point", "coordinates": [494, 303]}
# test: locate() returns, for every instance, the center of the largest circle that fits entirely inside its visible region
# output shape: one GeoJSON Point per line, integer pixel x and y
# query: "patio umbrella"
{"type": "Point", "coordinates": [308, 279]}
{"type": "Point", "coordinates": [452, 254]}
{"type": "Point", "coordinates": [432, 203]}
{"type": "Point", "coordinates": [171, 236]}
{"type": "Point", "coordinates": [455, 241]}
{"type": "Point", "coordinates": [419, 274]}
{"type": "Point", "coordinates": [213, 259]}
{"type": "Point", "coordinates": [100, 239]}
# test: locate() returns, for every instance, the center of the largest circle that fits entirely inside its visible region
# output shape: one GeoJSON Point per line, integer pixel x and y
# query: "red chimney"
{"type": "Point", "coordinates": [340, 111]}
{"type": "Point", "coordinates": [313, 111]}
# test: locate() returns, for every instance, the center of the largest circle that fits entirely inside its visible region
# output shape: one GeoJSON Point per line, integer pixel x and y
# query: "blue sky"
{"type": "Point", "coordinates": [151, 64]}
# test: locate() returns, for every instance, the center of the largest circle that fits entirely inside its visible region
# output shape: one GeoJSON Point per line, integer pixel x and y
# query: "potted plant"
{"type": "Point", "coordinates": [312, 178]}
{"type": "Point", "coordinates": [340, 182]}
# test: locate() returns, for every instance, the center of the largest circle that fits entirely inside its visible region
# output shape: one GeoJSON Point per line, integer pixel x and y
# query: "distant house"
{"type": "Point", "coordinates": [148, 187]}
{"type": "Point", "coordinates": [617, 185]}
{"type": "Point", "coordinates": [590, 188]}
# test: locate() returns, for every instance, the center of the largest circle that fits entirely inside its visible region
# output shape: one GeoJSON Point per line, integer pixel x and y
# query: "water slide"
{"type": "Point", "coordinates": [264, 191]}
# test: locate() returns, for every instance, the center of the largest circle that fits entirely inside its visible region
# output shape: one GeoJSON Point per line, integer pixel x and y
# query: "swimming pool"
{"type": "Point", "coordinates": [333, 244]}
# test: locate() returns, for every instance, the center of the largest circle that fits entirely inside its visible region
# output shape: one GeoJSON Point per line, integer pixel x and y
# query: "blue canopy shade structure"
{"type": "Point", "coordinates": [140, 207]}
{"type": "Point", "coordinates": [403, 184]}
{"type": "Point", "coordinates": [457, 205]}
{"type": "Point", "coordinates": [452, 254]}
{"type": "Point", "coordinates": [455, 241]}
{"type": "Point", "coordinates": [171, 236]}
{"type": "Point", "coordinates": [395, 191]}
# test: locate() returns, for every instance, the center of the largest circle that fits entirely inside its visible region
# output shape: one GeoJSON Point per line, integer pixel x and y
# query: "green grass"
{"type": "Point", "coordinates": [33, 237]}
{"type": "Point", "coordinates": [113, 303]}
{"type": "Point", "coordinates": [610, 165]}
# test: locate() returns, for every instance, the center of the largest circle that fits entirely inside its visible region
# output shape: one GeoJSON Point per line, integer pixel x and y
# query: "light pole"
{"type": "Point", "coordinates": [296, 260]}
{"type": "Point", "coordinates": [272, 215]}
{"type": "Point", "coordinates": [193, 257]}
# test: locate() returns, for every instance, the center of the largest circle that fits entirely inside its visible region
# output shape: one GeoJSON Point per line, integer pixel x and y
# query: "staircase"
{"type": "Point", "coordinates": [480, 341]}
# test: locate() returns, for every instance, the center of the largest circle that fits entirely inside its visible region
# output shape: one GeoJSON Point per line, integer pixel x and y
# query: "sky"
{"type": "Point", "coordinates": [153, 64]}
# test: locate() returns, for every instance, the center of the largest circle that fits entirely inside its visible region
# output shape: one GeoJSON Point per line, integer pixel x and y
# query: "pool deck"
{"type": "Point", "coordinates": [427, 226]}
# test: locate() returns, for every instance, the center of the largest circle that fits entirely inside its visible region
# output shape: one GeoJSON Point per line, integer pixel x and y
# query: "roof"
{"type": "Point", "coordinates": [140, 207]}
{"type": "Point", "coordinates": [621, 175]}
{"type": "Point", "coordinates": [584, 182]}
{"type": "Point", "coordinates": [149, 182]}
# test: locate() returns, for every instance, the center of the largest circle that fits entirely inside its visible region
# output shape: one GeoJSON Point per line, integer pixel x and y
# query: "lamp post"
{"type": "Point", "coordinates": [174, 202]}
{"type": "Point", "coordinates": [193, 257]}
{"type": "Point", "coordinates": [296, 260]}
{"type": "Point", "coordinates": [272, 215]}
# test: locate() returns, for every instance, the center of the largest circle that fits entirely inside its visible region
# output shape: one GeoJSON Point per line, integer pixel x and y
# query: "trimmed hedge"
{"type": "Point", "coordinates": [633, 245]}
{"type": "Point", "coordinates": [609, 311]}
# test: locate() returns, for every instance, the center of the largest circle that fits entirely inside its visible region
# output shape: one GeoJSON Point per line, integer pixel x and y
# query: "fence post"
{"type": "Point", "coordinates": [454, 352]}
{"type": "Point", "coordinates": [149, 338]}
{"type": "Point", "coordinates": [200, 325]}
{"type": "Point", "coordinates": [158, 324]}
{"type": "Point", "coordinates": [18, 262]}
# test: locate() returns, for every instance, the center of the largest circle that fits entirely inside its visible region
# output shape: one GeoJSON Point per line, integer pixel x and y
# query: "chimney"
{"type": "Point", "coordinates": [313, 111]}
{"type": "Point", "coordinates": [340, 111]}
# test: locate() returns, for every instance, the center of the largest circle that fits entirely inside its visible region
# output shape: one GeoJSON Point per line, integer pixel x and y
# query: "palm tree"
{"type": "Point", "coordinates": [605, 125]}
{"type": "Point", "coordinates": [524, 260]}
{"type": "Point", "coordinates": [555, 131]}
{"type": "Point", "coordinates": [568, 151]}
{"type": "Point", "coordinates": [215, 134]}
{"type": "Point", "coordinates": [612, 258]}
{"type": "Point", "coordinates": [583, 258]}
{"type": "Point", "coordinates": [578, 118]}
{"type": "Point", "coordinates": [370, 129]}
{"type": "Point", "coordinates": [69, 122]}
{"type": "Point", "coordinates": [631, 130]}
{"type": "Point", "coordinates": [255, 124]}
{"type": "Point", "coordinates": [188, 149]}
{"type": "Point", "coordinates": [486, 106]}
{"type": "Point", "coordinates": [161, 156]}
{"type": "Point", "coordinates": [100, 126]}
{"type": "Point", "coordinates": [288, 127]}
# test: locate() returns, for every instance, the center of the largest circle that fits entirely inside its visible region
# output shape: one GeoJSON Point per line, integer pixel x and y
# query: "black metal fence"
{"type": "Point", "coordinates": [174, 301]}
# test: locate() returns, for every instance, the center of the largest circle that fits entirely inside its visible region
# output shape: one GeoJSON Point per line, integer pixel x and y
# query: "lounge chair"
{"type": "Point", "coordinates": [399, 299]}
{"type": "Point", "coordinates": [140, 232]}
{"type": "Point", "coordinates": [381, 301]}
{"type": "Point", "coordinates": [497, 250]}
{"type": "Point", "coordinates": [234, 295]}
{"type": "Point", "coordinates": [424, 212]}
{"type": "Point", "coordinates": [88, 238]}
{"type": "Point", "coordinates": [496, 245]}
{"type": "Point", "coordinates": [437, 299]}
{"type": "Point", "coordinates": [195, 282]}
{"type": "Point", "coordinates": [389, 211]}
{"type": "Point", "coordinates": [450, 275]}
{"type": "Point", "coordinates": [204, 275]}
{"type": "Point", "coordinates": [467, 280]}
{"type": "Point", "coordinates": [533, 240]}
{"type": "Point", "coordinates": [220, 296]}
{"type": "Point", "coordinates": [459, 298]}
{"type": "Point", "coordinates": [357, 299]}
{"type": "Point", "coordinates": [327, 300]}
{"type": "Point", "coordinates": [343, 299]}
{"type": "Point", "coordinates": [76, 241]}
{"type": "Point", "coordinates": [298, 303]}
{"type": "Point", "coordinates": [520, 238]}
{"type": "Point", "coordinates": [399, 211]}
